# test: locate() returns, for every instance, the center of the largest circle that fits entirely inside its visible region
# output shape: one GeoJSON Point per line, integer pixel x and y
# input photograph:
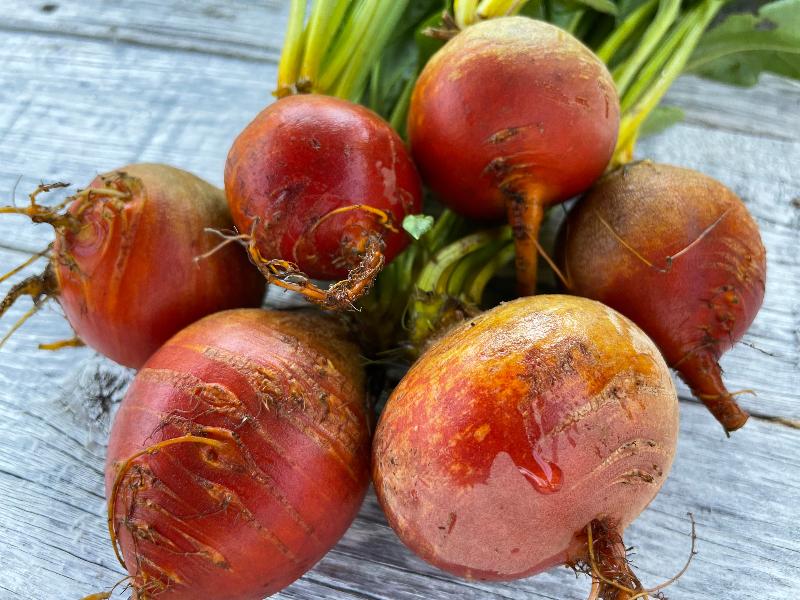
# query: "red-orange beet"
{"type": "Point", "coordinates": [678, 253]}
{"type": "Point", "coordinates": [323, 185]}
{"type": "Point", "coordinates": [239, 456]}
{"type": "Point", "coordinates": [123, 263]}
{"type": "Point", "coordinates": [513, 115]}
{"type": "Point", "coordinates": [519, 431]}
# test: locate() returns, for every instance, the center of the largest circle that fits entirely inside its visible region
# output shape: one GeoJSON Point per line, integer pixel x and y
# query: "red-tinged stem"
{"type": "Point", "coordinates": [702, 374]}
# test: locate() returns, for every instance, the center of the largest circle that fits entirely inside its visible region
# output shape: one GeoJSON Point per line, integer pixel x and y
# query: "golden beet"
{"type": "Point", "coordinates": [520, 430]}
{"type": "Point", "coordinates": [676, 252]}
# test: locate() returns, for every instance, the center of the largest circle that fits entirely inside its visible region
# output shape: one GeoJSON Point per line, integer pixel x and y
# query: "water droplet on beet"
{"type": "Point", "coordinates": [545, 477]}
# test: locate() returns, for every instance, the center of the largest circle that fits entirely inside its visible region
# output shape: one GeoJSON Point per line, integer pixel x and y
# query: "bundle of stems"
{"type": "Point", "coordinates": [645, 52]}
{"type": "Point", "coordinates": [345, 48]}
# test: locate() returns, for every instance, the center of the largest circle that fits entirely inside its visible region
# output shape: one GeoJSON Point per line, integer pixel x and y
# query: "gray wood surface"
{"type": "Point", "coordinates": [92, 85]}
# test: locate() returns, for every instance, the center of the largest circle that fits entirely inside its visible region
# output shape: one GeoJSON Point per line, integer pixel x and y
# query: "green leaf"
{"type": "Point", "coordinates": [745, 45]}
{"type": "Point", "coordinates": [603, 6]}
{"type": "Point", "coordinates": [660, 119]}
{"type": "Point", "coordinates": [403, 55]}
{"type": "Point", "coordinates": [418, 11]}
{"type": "Point", "coordinates": [560, 12]}
{"type": "Point", "coordinates": [417, 225]}
{"type": "Point", "coordinates": [534, 9]}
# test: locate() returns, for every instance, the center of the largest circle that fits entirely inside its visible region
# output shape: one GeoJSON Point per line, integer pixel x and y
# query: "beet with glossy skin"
{"type": "Point", "coordinates": [258, 458]}
{"type": "Point", "coordinates": [678, 253]}
{"type": "Point", "coordinates": [521, 428]}
{"type": "Point", "coordinates": [510, 116]}
{"type": "Point", "coordinates": [323, 185]}
{"type": "Point", "coordinates": [123, 263]}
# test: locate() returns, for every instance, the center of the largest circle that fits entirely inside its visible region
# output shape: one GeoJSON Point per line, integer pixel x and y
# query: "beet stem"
{"type": "Point", "coordinates": [321, 27]}
{"type": "Point", "coordinates": [665, 16]}
{"type": "Point", "coordinates": [623, 32]}
{"type": "Point", "coordinates": [427, 305]}
{"type": "Point", "coordinates": [292, 50]}
{"type": "Point", "coordinates": [657, 76]}
{"type": "Point", "coordinates": [465, 12]}
{"type": "Point", "coordinates": [475, 290]}
{"type": "Point", "coordinates": [492, 9]}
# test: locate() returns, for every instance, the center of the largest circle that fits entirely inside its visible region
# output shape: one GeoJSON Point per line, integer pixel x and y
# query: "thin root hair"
{"type": "Point", "coordinates": [27, 263]}
{"type": "Point", "coordinates": [602, 573]}
{"type": "Point", "coordinates": [228, 237]}
{"type": "Point", "coordinates": [668, 260]}
{"type": "Point", "coordinates": [39, 287]}
{"type": "Point", "coordinates": [122, 471]}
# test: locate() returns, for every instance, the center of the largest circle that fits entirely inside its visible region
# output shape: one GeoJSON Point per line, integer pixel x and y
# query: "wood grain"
{"type": "Point", "coordinates": [93, 85]}
{"type": "Point", "coordinates": [244, 29]}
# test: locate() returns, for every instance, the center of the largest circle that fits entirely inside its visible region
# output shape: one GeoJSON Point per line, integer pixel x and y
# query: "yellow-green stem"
{"type": "Point", "coordinates": [350, 39]}
{"type": "Point", "coordinates": [380, 28]}
{"type": "Point", "coordinates": [291, 55]}
{"type": "Point", "coordinates": [465, 269]}
{"type": "Point", "coordinates": [666, 66]}
{"type": "Point", "coordinates": [320, 32]}
{"type": "Point", "coordinates": [490, 9]}
{"type": "Point", "coordinates": [626, 29]}
{"type": "Point", "coordinates": [465, 12]}
{"type": "Point", "coordinates": [400, 111]}
{"type": "Point", "coordinates": [474, 293]}
{"type": "Point", "coordinates": [572, 26]}
{"type": "Point", "coordinates": [667, 13]}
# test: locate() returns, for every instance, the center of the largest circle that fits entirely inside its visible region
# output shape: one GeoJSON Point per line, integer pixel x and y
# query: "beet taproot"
{"type": "Point", "coordinates": [239, 456]}
{"type": "Point", "coordinates": [322, 186]}
{"type": "Point", "coordinates": [511, 116]}
{"type": "Point", "coordinates": [520, 432]}
{"type": "Point", "coordinates": [124, 262]}
{"type": "Point", "coordinates": [678, 253]}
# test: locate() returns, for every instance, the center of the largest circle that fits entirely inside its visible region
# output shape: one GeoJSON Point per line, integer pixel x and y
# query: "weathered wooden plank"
{"type": "Point", "coordinates": [767, 110]}
{"type": "Point", "coordinates": [240, 28]}
{"type": "Point", "coordinates": [70, 109]}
